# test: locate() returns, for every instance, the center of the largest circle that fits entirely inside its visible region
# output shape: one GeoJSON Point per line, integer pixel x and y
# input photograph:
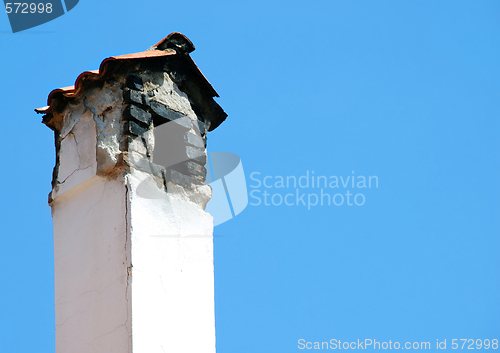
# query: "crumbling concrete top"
{"type": "Point", "coordinates": [171, 54]}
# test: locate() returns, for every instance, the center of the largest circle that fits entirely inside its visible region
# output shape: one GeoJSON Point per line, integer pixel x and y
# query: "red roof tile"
{"type": "Point", "coordinates": [94, 75]}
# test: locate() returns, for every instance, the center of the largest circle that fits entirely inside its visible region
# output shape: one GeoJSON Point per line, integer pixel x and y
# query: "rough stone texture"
{"type": "Point", "coordinates": [107, 105]}
{"type": "Point", "coordinates": [196, 155]}
{"type": "Point", "coordinates": [195, 140]}
{"type": "Point", "coordinates": [198, 193]}
{"type": "Point", "coordinates": [125, 136]}
{"type": "Point", "coordinates": [200, 127]}
{"type": "Point", "coordinates": [137, 114]}
{"type": "Point", "coordinates": [166, 91]}
{"type": "Point", "coordinates": [137, 161]}
{"type": "Point", "coordinates": [134, 144]}
{"type": "Point", "coordinates": [134, 129]}
{"type": "Point", "coordinates": [134, 82]}
{"type": "Point", "coordinates": [132, 96]}
{"type": "Point", "coordinates": [167, 115]}
{"type": "Point", "coordinates": [183, 180]}
{"type": "Point", "coordinates": [196, 170]}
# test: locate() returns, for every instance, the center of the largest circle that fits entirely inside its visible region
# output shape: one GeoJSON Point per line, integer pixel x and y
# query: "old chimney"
{"type": "Point", "coordinates": [133, 245]}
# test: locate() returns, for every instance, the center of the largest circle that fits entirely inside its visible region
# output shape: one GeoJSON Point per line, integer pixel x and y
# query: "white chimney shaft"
{"type": "Point", "coordinates": [133, 244]}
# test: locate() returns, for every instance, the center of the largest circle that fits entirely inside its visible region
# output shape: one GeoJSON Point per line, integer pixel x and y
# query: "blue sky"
{"type": "Point", "coordinates": [405, 91]}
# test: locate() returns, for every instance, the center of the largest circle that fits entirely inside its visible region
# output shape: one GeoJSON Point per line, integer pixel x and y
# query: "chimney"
{"type": "Point", "coordinates": [133, 245]}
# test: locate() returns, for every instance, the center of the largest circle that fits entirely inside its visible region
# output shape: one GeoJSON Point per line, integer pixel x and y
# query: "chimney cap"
{"type": "Point", "coordinates": [177, 41]}
{"type": "Point", "coordinates": [175, 45]}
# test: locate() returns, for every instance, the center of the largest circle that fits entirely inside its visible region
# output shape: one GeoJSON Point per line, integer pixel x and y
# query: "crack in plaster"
{"type": "Point", "coordinates": [70, 317]}
{"type": "Point", "coordinates": [102, 290]}
{"type": "Point", "coordinates": [79, 159]}
{"type": "Point", "coordinates": [128, 231]}
{"type": "Point", "coordinates": [161, 281]}
{"type": "Point", "coordinates": [95, 204]}
{"type": "Point", "coordinates": [106, 334]}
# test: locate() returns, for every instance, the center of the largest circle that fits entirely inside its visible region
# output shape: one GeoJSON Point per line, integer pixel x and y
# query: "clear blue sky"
{"type": "Point", "coordinates": [407, 91]}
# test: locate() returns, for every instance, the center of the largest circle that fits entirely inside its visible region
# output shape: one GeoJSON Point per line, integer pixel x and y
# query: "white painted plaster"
{"type": "Point", "coordinates": [168, 305]}
{"type": "Point", "coordinates": [77, 155]}
{"type": "Point", "coordinates": [172, 274]}
{"type": "Point", "coordinates": [90, 261]}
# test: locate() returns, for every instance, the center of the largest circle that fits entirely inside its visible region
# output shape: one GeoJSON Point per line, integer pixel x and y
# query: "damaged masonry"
{"type": "Point", "coordinates": [129, 276]}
